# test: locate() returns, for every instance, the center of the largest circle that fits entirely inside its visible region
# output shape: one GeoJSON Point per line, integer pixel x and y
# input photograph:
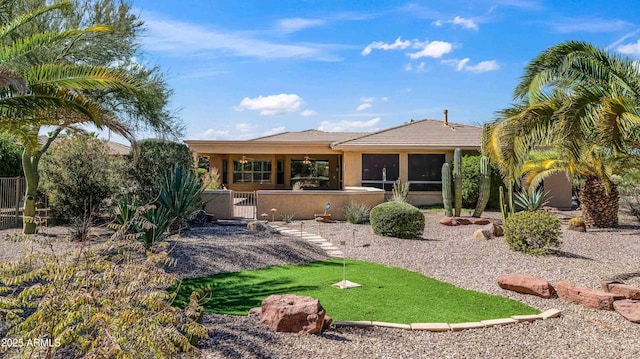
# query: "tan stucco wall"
{"type": "Point", "coordinates": [305, 204]}
{"type": "Point", "coordinates": [353, 163]}
{"type": "Point", "coordinates": [219, 203]}
{"type": "Point", "coordinates": [559, 187]}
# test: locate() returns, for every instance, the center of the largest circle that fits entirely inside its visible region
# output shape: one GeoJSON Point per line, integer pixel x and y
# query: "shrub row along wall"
{"type": "Point", "coordinates": [306, 204]}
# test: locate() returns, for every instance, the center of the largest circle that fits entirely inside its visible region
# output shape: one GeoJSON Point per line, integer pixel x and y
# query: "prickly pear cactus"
{"type": "Point", "coordinates": [446, 189]}
{"type": "Point", "coordinates": [457, 180]}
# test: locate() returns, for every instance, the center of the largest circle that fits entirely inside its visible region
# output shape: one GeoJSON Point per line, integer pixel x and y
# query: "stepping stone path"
{"type": "Point", "coordinates": [330, 248]}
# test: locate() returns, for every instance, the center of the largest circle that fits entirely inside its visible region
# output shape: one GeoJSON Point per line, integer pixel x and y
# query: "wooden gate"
{"type": "Point", "coordinates": [244, 204]}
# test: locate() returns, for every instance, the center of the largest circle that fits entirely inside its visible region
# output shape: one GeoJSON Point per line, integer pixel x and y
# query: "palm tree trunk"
{"type": "Point", "coordinates": [599, 205]}
{"type": "Point", "coordinates": [30, 166]}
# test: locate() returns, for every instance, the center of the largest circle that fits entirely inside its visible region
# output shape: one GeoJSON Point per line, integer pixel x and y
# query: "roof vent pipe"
{"type": "Point", "coordinates": [446, 117]}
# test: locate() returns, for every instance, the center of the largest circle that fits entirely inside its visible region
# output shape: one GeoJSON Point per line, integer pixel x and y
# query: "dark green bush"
{"type": "Point", "coordinates": [397, 219]}
{"type": "Point", "coordinates": [357, 213]}
{"type": "Point", "coordinates": [155, 158]}
{"type": "Point", "coordinates": [80, 176]}
{"type": "Point", "coordinates": [471, 183]}
{"type": "Point", "coordinates": [532, 232]}
{"type": "Point", "coordinates": [10, 157]}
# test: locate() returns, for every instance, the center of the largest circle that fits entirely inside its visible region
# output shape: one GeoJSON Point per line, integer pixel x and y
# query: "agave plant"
{"type": "Point", "coordinates": [180, 193]}
{"type": "Point", "coordinates": [532, 201]}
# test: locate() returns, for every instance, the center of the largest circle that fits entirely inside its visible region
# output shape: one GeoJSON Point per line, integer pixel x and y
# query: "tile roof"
{"type": "Point", "coordinates": [426, 133]}
{"type": "Point", "coordinates": [310, 136]}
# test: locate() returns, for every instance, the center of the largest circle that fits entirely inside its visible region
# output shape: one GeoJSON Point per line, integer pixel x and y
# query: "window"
{"type": "Point", "coordinates": [311, 173]}
{"type": "Point", "coordinates": [380, 170]}
{"type": "Point", "coordinates": [425, 172]}
{"type": "Point", "coordinates": [252, 172]}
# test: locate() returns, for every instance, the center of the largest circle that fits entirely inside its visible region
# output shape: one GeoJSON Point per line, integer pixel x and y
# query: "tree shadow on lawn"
{"type": "Point", "coordinates": [626, 276]}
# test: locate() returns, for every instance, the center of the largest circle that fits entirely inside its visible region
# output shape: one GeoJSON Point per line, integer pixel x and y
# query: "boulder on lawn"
{"type": "Point", "coordinates": [628, 291]}
{"type": "Point", "coordinates": [293, 314]}
{"type": "Point", "coordinates": [629, 309]}
{"type": "Point", "coordinates": [527, 285]}
{"type": "Point", "coordinates": [586, 297]}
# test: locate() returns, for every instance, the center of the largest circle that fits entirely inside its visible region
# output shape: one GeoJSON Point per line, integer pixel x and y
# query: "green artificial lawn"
{"type": "Point", "coordinates": [387, 294]}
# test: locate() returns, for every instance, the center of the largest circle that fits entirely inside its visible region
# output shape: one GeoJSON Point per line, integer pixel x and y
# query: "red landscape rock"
{"type": "Point", "coordinates": [629, 309]}
{"type": "Point", "coordinates": [463, 221]}
{"type": "Point", "coordinates": [293, 314]}
{"type": "Point", "coordinates": [495, 229]}
{"type": "Point", "coordinates": [527, 285]}
{"type": "Point", "coordinates": [327, 322]}
{"type": "Point", "coordinates": [629, 292]}
{"type": "Point", "coordinates": [449, 221]}
{"type": "Point", "coordinates": [586, 297]}
{"type": "Point", "coordinates": [479, 221]}
{"type": "Point", "coordinates": [255, 312]}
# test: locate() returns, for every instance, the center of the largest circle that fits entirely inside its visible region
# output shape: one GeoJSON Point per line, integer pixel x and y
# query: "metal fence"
{"type": "Point", "coordinates": [11, 194]}
{"type": "Point", "coordinates": [244, 204]}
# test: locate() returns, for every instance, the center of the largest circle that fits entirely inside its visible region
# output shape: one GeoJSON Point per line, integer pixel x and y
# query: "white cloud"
{"type": "Point", "coordinates": [213, 134]}
{"type": "Point", "coordinates": [183, 39]}
{"type": "Point", "coordinates": [367, 99]}
{"type": "Point", "coordinates": [274, 131]}
{"type": "Point", "coordinates": [272, 105]}
{"type": "Point", "coordinates": [433, 49]}
{"type": "Point", "coordinates": [465, 23]}
{"type": "Point", "coordinates": [364, 106]}
{"type": "Point", "coordinates": [297, 24]}
{"type": "Point", "coordinates": [483, 66]}
{"type": "Point", "coordinates": [384, 99]}
{"type": "Point", "coordinates": [346, 126]}
{"type": "Point", "coordinates": [630, 49]}
{"type": "Point", "coordinates": [590, 25]}
{"type": "Point", "coordinates": [420, 67]}
{"type": "Point", "coordinates": [244, 127]}
{"type": "Point", "coordinates": [380, 45]}
{"type": "Point", "coordinates": [408, 67]}
{"type": "Point", "coordinates": [463, 65]}
{"type": "Point", "coordinates": [307, 113]}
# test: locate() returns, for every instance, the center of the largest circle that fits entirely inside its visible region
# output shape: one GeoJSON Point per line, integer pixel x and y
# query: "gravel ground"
{"type": "Point", "coordinates": [445, 253]}
{"type": "Point", "coordinates": [450, 254]}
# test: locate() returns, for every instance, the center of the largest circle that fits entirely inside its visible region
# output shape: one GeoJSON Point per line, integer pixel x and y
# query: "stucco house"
{"type": "Point", "coordinates": [413, 152]}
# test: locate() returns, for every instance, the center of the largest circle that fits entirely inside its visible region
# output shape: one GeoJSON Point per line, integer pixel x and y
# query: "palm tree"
{"type": "Point", "coordinates": [61, 94]}
{"type": "Point", "coordinates": [582, 100]}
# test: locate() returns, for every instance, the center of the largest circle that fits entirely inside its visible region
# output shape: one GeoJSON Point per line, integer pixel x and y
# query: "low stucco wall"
{"type": "Point", "coordinates": [559, 187]}
{"type": "Point", "coordinates": [421, 198]}
{"type": "Point", "coordinates": [305, 204]}
{"type": "Point", "coordinates": [219, 203]}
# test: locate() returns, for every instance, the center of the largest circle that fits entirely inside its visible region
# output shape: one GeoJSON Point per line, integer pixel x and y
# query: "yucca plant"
{"type": "Point", "coordinates": [532, 201]}
{"type": "Point", "coordinates": [400, 191]}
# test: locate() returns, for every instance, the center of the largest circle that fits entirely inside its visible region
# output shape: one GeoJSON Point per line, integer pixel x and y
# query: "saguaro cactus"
{"type": "Point", "coordinates": [457, 180]}
{"type": "Point", "coordinates": [446, 189]}
{"type": "Point", "coordinates": [485, 186]}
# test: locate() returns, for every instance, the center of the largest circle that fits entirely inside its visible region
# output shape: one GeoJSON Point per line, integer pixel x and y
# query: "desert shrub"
{"type": "Point", "coordinates": [155, 156]}
{"type": "Point", "coordinates": [629, 187]}
{"type": "Point", "coordinates": [287, 217]}
{"type": "Point", "coordinates": [532, 232]}
{"type": "Point", "coordinates": [80, 176]}
{"type": "Point", "coordinates": [397, 219]}
{"type": "Point", "coordinates": [108, 301]}
{"type": "Point", "coordinates": [471, 183]}
{"type": "Point", "coordinates": [147, 223]}
{"type": "Point", "coordinates": [357, 213]}
{"type": "Point", "coordinates": [10, 157]}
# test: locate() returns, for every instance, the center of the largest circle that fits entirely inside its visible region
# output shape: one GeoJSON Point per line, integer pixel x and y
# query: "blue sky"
{"type": "Point", "coordinates": [242, 69]}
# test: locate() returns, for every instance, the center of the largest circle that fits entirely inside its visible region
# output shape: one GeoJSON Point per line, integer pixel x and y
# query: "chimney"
{"type": "Point", "coordinates": [446, 117]}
